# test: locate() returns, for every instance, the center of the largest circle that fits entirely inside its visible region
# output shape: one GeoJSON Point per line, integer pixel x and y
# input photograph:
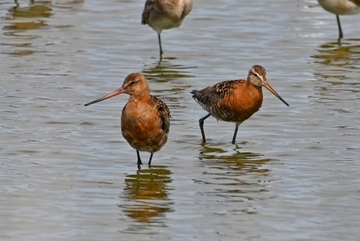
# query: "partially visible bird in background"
{"type": "Point", "coordinates": [341, 7]}
{"type": "Point", "coordinates": [165, 14]}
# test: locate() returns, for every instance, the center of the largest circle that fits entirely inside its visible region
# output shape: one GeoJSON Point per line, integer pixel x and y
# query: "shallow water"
{"type": "Point", "coordinates": [68, 174]}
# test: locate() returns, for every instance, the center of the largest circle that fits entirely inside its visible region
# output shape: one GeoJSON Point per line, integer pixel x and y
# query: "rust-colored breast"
{"type": "Point", "coordinates": [145, 123]}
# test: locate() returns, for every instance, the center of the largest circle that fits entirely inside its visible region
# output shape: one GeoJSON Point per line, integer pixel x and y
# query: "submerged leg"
{"type": "Point", "coordinates": [201, 124]}
{"type": "Point", "coordinates": [161, 51]}
{"type": "Point", "coordinates": [339, 25]}
{"type": "Point", "coordinates": [139, 162]}
{"type": "Point", "coordinates": [235, 133]}
{"type": "Point", "coordinates": [151, 155]}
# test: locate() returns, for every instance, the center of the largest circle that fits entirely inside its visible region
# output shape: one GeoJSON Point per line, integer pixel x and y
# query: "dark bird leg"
{"type": "Point", "coordinates": [339, 25]}
{"type": "Point", "coordinates": [151, 155]}
{"type": "Point", "coordinates": [161, 51]}
{"type": "Point", "coordinates": [201, 124]}
{"type": "Point", "coordinates": [235, 133]}
{"type": "Point", "coordinates": [139, 162]}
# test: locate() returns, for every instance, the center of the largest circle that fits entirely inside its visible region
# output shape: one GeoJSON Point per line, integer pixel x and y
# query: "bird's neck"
{"type": "Point", "coordinates": [254, 91]}
{"type": "Point", "coordinates": [253, 85]}
{"type": "Point", "coordinates": [141, 96]}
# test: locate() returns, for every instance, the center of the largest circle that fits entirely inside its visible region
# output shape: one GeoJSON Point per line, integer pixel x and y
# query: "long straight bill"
{"type": "Point", "coordinates": [112, 94]}
{"type": "Point", "coordinates": [267, 86]}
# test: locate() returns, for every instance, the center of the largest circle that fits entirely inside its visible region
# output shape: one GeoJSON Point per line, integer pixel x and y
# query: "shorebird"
{"type": "Point", "coordinates": [145, 119]}
{"type": "Point", "coordinates": [341, 7]}
{"type": "Point", "coordinates": [234, 100]}
{"type": "Point", "coordinates": [165, 14]}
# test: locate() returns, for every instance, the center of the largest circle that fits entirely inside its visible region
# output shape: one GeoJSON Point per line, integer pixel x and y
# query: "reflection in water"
{"type": "Point", "coordinates": [236, 177]}
{"type": "Point", "coordinates": [336, 70]}
{"type": "Point", "coordinates": [22, 19]}
{"type": "Point", "coordinates": [32, 11]}
{"type": "Point", "coordinates": [241, 162]}
{"type": "Point", "coordinates": [165, 71]}
{"type": "Point", "coordinates": [146, 195]}
{"type": "Point", "coordinates": [336, 95]}
{"type": "Point", "coordinates": [334, 57]}
{"type": "Point", "coordinates": [169, 81]}
{"type": "Point", "coordinates": [25, 25]}
{"type": "Point", "coordinates": [17, 3]}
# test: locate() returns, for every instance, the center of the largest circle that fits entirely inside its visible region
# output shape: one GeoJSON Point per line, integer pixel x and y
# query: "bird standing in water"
{"type": "Point", "coordinates": [341, 7]}
{"type": "Point", "coordinates": [234, 100]}
{"type": "Point", "coordinates": [165, 14]}
{"type": "Point", "coordinates": [145, 119]}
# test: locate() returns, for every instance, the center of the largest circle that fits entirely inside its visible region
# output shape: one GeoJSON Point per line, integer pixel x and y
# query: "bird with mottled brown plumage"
{"type": "Point", "coordinates": [165, 14]}
{"type": "Point", "coordinates": [145, 119]}
{"type": "Point", "coordinates": [234, 100]}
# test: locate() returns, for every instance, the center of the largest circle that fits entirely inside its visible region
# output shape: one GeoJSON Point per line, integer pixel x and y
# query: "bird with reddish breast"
{"type": "Point", "coordinates": [145, 119]}
{"type": "Point", "coordinates": [234, 100]}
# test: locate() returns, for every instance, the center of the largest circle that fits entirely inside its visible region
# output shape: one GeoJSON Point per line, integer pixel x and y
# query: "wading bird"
{"type": "Point", "coordinates": [341, 7]}
{"type": "Point", "coordinates": [145, 119]}
{"type": "Point", "coordinates": [165, 14]}
{"type": "Point", "coordinates": [234, 100]}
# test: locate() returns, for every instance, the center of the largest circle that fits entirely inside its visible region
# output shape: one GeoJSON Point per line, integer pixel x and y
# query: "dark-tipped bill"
{"type": "Point", "coordinates": [112, 94]}
{"type": "Point", "coordinates": [267, 86]}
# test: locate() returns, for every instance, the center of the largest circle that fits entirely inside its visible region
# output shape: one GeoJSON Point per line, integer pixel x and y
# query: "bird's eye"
{"type": "Point", "coordinates": [256, 75]}
{"type": "Point", "coordinates": [132, 83]}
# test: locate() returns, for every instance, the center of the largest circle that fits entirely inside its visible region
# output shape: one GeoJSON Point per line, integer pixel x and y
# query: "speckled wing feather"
{"type": "Point", "coordinates": [149, 5]}
{"type": "Point", "coordinates": [211, 95]}
{"type": "Point", "coordinates": [164, 113]}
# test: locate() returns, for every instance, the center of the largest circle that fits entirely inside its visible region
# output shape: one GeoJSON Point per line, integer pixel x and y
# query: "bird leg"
{"type": "Point", "coordinates": [161, 51]}
{"type": "Point", "coordinates": [201, 124]}
{"type": "Point", "coordinates": [339, 25]}
{"type": "Point", "coordinates": [151, 155]}
{"type": "Point", "coordinates": [235, 133]}
{"type": "Point", "coordinates": [139, 162]}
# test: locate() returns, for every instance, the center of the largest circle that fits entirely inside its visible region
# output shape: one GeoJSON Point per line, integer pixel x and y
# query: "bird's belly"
{"type": "Point", "coordinates": [142, 133]}
{"type": "Point", "coordinates": [164, 23]}
{"type": "Point", "coordinates": [235, 110]}
{"type": "Point", "coordinates": [142, 142]}
{"type": "Point", "coordinates": [340, 7]}
{"type": "Point", "coordinates": [237, 115]}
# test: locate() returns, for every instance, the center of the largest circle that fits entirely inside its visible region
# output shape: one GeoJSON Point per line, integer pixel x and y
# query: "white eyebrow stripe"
{"type": "Point", "coordinates": [259, 75]}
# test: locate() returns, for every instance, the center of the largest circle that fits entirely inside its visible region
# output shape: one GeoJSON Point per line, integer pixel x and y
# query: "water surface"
{"type": "Point", "coordinates": [68, 174]}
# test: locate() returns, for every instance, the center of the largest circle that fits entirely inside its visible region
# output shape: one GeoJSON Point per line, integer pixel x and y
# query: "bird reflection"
{"type": "Point", "coordinates": [337, 66]}
{"type": "Point", "coordinates": [171, 79]}
{"type": "Point", "coordinates": [146, 195]}
{"type": "Point", "coordinates": [335, 55]}
{"type": "Point", "coordinates": [33, 10]}
{"type": "Point", "coordinates": [241, 162]}
{"type": "Point", "coordinates": [23, 18]}
{"type": "Point", "coordinates": [165, 71]}
{"type": "Point", "coordinates": [17, 3]}
{"type": "Point", "coordinates": [236, 177]}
